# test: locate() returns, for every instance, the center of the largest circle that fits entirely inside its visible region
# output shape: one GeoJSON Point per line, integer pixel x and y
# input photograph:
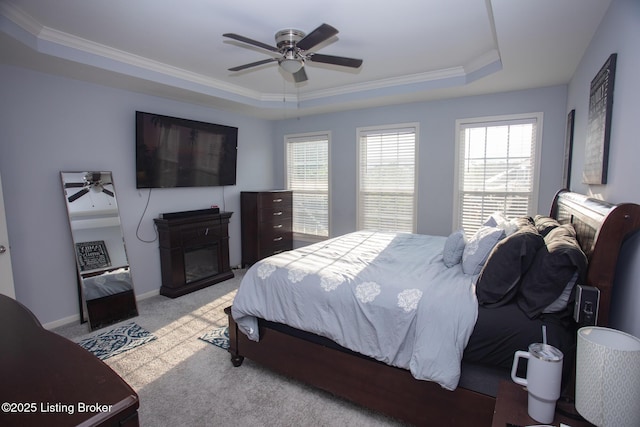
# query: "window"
{"type": "Point", "coordinates": [497, 168]}
{"type": "Point", "coordinates": [307, 175]}
{"type": "Point", "coordinates": [387, 178]}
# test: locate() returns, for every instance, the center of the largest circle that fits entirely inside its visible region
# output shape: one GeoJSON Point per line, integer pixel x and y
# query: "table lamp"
{"type": "Point", "coordinates": [608, 377]}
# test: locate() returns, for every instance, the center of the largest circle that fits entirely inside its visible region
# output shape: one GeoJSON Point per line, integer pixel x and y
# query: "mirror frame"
{"type": "Point", "coordinates": [105, 287]}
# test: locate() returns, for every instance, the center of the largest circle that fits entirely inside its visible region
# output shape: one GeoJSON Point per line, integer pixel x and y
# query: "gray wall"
{"type": "Point", "coordinates": [50, 124]}
{"type": "Point", "coordinates": [436, 149]}
{"type": "Point", "coordinates": [618, 33]}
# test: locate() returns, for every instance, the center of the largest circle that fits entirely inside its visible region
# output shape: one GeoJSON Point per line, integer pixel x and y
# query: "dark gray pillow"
{"type": "Point", "coordinates": [553, 267]}
{"type": "Point", "coordinates": [507, 264]}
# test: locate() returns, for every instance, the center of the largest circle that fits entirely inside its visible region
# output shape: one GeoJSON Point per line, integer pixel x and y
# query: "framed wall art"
{"type": "Point", "coordinates": [599, 124]}
{"type": "Point", "coordinates": [568, 150]}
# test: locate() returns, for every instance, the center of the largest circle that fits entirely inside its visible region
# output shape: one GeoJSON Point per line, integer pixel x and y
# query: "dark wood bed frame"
{"type": "Point", "coordinates": [601, 228]}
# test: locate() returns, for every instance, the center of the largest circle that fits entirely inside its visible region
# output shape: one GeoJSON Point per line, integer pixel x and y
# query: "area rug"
{"type": "Point", "coordinates": [218, 337]}
{"type": "Point", "coordinates": [116, 341]}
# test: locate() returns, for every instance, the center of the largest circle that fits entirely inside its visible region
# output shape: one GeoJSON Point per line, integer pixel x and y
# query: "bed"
{"type": "Point", "coordinates": [457, 383]}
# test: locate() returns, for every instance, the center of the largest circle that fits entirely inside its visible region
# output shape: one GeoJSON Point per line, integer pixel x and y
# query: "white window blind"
{"type": "Point", "coordinates": [497, 169]}
{"type": "Point", "coordinates": [307, 175]}
{"type": "Point", "coordinates": [387, 178]}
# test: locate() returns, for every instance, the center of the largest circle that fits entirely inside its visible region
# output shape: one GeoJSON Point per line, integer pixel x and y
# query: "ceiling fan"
{"type": "Point", "coordinates": [293, 49]}
{"type": "Point", "coordinates": [90, 180]}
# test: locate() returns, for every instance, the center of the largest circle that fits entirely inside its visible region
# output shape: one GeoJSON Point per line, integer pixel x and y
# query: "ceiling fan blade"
{"type": "Point", "coordinates": [107, 192]}
{"type": "Point", "coordinates": [336, 60]}
{"type": "Point", "coordinates": [317, 36]}
{"type": "Point", "coordinates": [253, 64]}
{"type": "Point", "coordinates": [79, 194]}
{"type": "Point", "coordinates": [300, 76]}
{"type": "Point", "coordinates": [250, 41]}
{"type": "Point", "coordinates": [74, 184]}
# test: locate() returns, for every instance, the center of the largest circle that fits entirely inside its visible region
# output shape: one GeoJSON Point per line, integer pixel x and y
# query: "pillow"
{"type": "Point", "coordinates": [522, 221]}
{"type": "Point", "coordinates": [507, 264]}
{"type": "Point", "coordinates": [494, 219]}
{"type": "Point", "coordinates": [453, 248]}
{"type": "Point", "coordinates": [553, 267]}
{"type": "Point", "coordinates": [478, 248]}
{"type": "Point", "coordinates": [545, 224]}
{"type": "Point", "coordinates": [497, 219]}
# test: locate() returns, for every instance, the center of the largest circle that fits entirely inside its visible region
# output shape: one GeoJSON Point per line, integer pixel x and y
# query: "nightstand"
{"type": "Point", "coordinates": [511, 408]}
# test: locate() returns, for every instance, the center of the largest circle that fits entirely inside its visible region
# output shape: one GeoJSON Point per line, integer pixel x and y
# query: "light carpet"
{"type": "Point", "coordinates": [184, 381]}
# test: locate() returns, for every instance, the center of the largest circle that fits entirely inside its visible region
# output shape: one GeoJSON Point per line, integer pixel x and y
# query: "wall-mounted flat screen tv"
{"type": "Point", "coordinates": [174, 152]}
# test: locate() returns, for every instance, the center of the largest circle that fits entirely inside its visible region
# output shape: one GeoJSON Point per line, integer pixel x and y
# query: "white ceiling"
{"type": "Point", "coordinates": [412, 50]}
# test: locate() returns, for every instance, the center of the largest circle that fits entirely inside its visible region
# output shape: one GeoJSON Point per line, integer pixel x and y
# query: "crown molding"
{"type": "Point", "coordinates": [56, 43]}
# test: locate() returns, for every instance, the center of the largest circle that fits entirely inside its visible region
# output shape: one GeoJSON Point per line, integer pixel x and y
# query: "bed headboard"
{"type": "Point", "coordinates": [601, 229]}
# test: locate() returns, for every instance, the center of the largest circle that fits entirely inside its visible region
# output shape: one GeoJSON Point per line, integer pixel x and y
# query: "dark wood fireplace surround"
{"type": "Point", "coordinates": [194, 250]}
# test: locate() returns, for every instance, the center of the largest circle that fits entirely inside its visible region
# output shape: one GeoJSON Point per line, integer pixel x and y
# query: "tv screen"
{"type": "Point", "coordinates": [173, 152]}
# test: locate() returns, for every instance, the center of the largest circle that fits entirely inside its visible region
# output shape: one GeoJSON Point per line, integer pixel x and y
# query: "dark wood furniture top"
{"type": "Point", "coordinates": [48, 380]}
{"type": "Point", "coordinates": [267, 221]}
{"type": "Point", "coordinates": [187, 242]}
{"type": "Point", "coordinates": [601, 229]}
{"type": "Point", "coordinates": [511, 408]}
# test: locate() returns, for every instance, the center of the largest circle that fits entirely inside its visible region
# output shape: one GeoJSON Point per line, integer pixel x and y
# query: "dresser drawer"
{"type": "Point", "coordinates": [274, 244]}
{"type": "Point", "coordinates": [274, 201]}
{"type": "Point", "coordinates": [273, 232]}
{"type": "Point", "coordinates": [275, 215]}
{"type": "Point", "coordinates": [276, 249]}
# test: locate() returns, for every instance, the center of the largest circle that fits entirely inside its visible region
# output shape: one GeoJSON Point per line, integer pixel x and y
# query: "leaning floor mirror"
{"type": "Point", "coordinates": [105, 287]}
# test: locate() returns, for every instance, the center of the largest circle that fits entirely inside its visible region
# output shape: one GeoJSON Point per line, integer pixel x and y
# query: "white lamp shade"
{"type": "Point", "coordinates": [608, 377]}
{"type": "Point", "coordinates": [291, 65]}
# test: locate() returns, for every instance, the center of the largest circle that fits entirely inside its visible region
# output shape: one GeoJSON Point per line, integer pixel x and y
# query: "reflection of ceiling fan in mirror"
{"type": "Point", "coordinates": [293, 51]}
{"type": "Point", "coordinates": [90, 181]}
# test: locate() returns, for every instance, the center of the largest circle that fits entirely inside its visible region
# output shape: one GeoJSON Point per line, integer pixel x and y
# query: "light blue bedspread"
{"type": "Point", "coordinates": [385, 295]}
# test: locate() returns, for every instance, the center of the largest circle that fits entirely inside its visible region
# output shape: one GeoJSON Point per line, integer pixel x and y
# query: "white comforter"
{"type": "Point", "coordinates": [385, 295]}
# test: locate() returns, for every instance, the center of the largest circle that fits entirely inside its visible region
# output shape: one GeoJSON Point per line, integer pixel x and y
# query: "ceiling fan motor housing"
{"type": "Point", "coordinates": [287, 39]}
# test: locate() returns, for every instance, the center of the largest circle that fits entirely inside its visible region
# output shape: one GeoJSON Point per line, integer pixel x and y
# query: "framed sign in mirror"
{"type": "Point", "coordinates": [92, 255]}
{"type": "Point", "coordinates": [599, 124]}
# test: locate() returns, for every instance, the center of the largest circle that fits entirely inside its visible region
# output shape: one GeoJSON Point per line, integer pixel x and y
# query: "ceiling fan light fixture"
{"type": "Point", "coordinates": [291, 65]}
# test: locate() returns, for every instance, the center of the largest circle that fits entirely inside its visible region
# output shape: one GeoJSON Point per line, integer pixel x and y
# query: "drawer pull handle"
{"type": "Point", "coordinates": [277, 213]}
{"type": "Point", "coordinates": [277, 200]}
{"type": "Point", "coordinates": [277, 239]}
{"type": "Point", "coordinates": [206, 232]}
{"type": "Point", "coordinates": [277, 226]}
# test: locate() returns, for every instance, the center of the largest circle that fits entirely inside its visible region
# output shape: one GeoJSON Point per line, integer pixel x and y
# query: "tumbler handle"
{"type": "Point", "coordinates": [516, 358]}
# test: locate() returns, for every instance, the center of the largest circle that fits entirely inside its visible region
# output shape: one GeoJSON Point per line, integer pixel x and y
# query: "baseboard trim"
{"type": "Point", "coordinates": [62, 322]}
{"type": "Point", "coordinates": [147, 295]}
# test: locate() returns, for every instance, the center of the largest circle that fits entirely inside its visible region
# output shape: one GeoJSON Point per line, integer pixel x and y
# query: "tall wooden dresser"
{"type": "Point", "coordinates": [267, 219]}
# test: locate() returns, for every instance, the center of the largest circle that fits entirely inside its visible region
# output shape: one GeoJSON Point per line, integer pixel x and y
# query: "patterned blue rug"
{"type": "Point", "coordinates": [218, 337]}
{"type": "Point", "coordinates": [116, 341]}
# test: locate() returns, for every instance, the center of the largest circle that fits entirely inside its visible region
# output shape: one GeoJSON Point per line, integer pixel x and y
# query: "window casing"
{"type": "Point", "coordinates": [387, 165]}
{"type": "Point", "coordinates": [307, 176]}
{"type": "Point", "coordinates": [497, 168]}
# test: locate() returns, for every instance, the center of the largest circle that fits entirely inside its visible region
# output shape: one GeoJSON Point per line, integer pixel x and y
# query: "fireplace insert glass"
{"type": "Point", "coordinates": [200, 262]}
